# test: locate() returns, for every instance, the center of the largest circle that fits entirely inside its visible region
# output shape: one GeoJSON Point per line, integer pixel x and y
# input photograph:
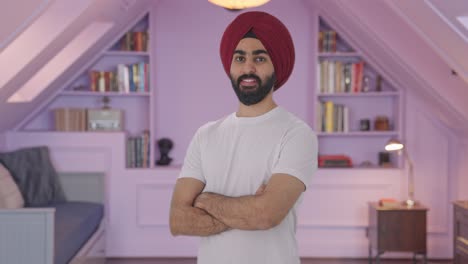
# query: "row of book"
{"type": "Point", "coordinates": [138, 150]}
{"type": "Point", "coordinates": [341, 77]}
{"type": "Point", "coordinates": [327, 41]}
{"type": "Point", "coordinates": [70, 119]}
{"type": "Point", "coordinates": [126, 79]}
{"type": "Point", "coordinates": [332, 117]}
{"type": "Point", "coordinates": [134, 41]}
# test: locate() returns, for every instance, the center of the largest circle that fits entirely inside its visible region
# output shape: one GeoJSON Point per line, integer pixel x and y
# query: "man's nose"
{"type": "Point", "coordinates": [250, 67]}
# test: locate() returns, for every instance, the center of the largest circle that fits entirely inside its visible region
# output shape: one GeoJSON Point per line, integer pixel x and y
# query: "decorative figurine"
{"type": "Point", "coordinates": [165, 145]}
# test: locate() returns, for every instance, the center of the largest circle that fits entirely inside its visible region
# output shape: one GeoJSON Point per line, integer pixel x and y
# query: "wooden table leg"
{"type": "Point", "coordinates": [377, 259]}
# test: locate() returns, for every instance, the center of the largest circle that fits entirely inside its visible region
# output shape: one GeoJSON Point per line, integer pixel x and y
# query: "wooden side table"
{"type": "Point", "coordinates": [460, 232]}
{"type": "Point", "coordinates": [397, 228]}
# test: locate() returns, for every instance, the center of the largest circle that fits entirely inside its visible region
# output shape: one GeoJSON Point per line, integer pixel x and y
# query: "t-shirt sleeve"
{"type": "Point", "coordinates": [298, 154]}
{"type": "Point", "coordinates": [192, 167]}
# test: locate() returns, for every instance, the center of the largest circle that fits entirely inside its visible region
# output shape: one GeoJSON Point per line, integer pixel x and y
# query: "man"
{"type": "Point", "coordinates": [244, 175]}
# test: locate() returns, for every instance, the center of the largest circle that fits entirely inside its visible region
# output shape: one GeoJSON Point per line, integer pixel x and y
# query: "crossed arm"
{"type": "Point", "coordinates": [185, 219]}
{"type": "Point", "coordinates": [204, 214]}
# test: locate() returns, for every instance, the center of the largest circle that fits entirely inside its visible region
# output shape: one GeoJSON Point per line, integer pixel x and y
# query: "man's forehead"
{"type": "Point", "coordinates": [250, 44]}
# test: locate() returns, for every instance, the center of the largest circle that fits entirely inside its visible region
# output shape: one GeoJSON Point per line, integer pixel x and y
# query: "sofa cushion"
{"type": "Point", "coordinates": [75, 223]}
{"type": "Point", "coordinates": [10, 196]}
{"type": "Point", "coordinates": [35, 175]}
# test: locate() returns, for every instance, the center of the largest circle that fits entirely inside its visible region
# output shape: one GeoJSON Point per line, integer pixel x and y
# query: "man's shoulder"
{"type": "Point", "coordinates": [294, 122]}
{"type": "Point", "coordinates": [213, 125]}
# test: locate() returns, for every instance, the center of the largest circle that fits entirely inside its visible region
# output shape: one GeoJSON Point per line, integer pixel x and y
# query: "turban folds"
{"type": "Point", "coordinates": [271, 32]}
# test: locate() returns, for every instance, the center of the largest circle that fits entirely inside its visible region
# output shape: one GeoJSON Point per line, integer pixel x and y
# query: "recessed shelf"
{"type": "Point", "coordinates": [358, 134]}
{"type": "Point", "coordinates": [338, 54]}
{"type": "Point", "coordinates": [360, 94]}
{"type": "Point", "coordinates": [173, 168]}
{"type": "Point", "coordinates": [88, 93]}
{"type": "Point", "coordinates": [358, 168]}
{"type": "Point", "coordinates": [126, 53]}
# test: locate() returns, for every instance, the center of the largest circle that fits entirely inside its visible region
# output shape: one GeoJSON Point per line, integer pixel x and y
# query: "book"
{"type": "Point", "coordinates": [389, 202]}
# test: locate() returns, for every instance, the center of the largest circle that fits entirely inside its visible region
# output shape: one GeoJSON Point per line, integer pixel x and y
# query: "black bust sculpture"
{"type": "Point", "coordinates": [165, 145]}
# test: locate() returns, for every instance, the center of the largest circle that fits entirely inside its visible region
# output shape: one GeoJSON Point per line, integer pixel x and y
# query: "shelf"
{"type": "Point", "coordinates": [126, 53]}
{"type": "Point", "coordinates": [72, 133]}
{"type": "Point", "coordinates": [358, 134]}
{"type": "Point", "coordinates": [173, 168]}
{"type": "Point", "coordinates": [166, 175]}
{"type": "Point", "coordinates": [88, 93]}
{"type": "Point", "coordinates": [360, 94]}
{"type": "Point", "coordinates": [338, 54]}
{"type": "Point", "coordinates": [355, 168]}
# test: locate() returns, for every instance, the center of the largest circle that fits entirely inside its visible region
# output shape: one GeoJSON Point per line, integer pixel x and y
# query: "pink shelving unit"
{"type": "Point", "coordinates": [349, 90]}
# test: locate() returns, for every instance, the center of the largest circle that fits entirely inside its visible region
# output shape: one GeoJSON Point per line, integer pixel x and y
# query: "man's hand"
{"type": "Point", "coordinates": [185, 219]}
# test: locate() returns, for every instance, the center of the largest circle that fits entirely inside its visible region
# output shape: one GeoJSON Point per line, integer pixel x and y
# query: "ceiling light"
{"type": "Point", "coordinates": [238, 4]}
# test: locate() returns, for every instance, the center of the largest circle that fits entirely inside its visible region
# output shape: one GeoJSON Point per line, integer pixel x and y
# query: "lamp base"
{"type": "Point", "coordinates": [410, 203]}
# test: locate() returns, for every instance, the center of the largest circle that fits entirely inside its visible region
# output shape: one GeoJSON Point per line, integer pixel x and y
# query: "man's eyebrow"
{"type": "Point", "coordinates": [241, 52]}
{"type": "Point", "coordinates": [255, 52]}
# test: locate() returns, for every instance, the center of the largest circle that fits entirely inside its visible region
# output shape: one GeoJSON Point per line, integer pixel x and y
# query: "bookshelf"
{"type": "Point", "coordinates": [121, 74]}
{"type": "Point", "coordinates": [351, 96]}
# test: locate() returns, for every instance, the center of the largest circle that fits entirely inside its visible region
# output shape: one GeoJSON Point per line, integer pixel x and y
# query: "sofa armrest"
{"type": "Point", "coordinates": [27, 235]}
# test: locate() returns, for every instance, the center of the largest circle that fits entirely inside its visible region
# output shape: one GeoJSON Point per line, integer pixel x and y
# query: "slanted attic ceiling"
{"type": "Point", "coordinates": [405, 53]}
{"type": "Point", "coordinates": [413, 42]}
{"type": "Point", "coordinates": [117, 12]}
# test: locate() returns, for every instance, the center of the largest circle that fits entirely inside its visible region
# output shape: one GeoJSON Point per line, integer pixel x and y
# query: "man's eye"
{"type": "Point", "coordinates": [260, 59]}
{"type": "Point", "coordinates": [239, 59]}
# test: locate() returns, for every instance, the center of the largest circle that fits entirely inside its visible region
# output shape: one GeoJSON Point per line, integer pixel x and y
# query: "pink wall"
{"type": "Point", "coordinates": [192, 87]}
{"type": "Point", "coordinates": [2, 141]}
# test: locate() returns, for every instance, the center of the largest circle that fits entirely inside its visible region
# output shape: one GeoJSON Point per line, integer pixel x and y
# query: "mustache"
{"type": "Point", "coordinates": [246, 76]}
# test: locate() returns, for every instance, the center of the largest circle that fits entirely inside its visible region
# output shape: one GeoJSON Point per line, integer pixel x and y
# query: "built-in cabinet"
{"type": "Point", "coordinates": [355, 104]}
{"type": "Point", "coordinates": [120, 80]}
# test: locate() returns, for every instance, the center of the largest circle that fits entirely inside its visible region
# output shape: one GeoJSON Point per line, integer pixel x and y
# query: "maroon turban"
{"type": "Point", "coordinates": [273, 35]}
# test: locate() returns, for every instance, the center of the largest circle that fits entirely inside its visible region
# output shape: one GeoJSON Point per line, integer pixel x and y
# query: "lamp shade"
{"type": "Point", "coordinates": [238, 4]}
{"type": "Point", "coordinates": [394, 145]}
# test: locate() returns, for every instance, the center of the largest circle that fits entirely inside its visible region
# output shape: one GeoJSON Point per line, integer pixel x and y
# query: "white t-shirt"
{"type": "Point", "coordinates": [234, 156]}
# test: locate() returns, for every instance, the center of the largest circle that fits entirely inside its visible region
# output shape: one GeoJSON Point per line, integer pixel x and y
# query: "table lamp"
{"type": "Point", "coordinates": [396, 145]}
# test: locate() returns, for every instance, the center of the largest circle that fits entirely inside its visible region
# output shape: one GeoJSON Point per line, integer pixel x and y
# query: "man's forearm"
{"type": "Point", "coordinates": [245, 212]}
{"type": "Point", "coordinates": [193, 221]}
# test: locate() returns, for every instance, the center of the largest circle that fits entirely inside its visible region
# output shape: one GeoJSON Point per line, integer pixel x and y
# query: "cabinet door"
{"type": "Point", "coordinates": [402, 231]}
{"type": "Point", "coordinates": [139, 216]}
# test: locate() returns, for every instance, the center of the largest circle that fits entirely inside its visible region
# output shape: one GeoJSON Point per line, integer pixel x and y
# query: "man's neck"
{"type": "Point", "coordinates": [258, 109]}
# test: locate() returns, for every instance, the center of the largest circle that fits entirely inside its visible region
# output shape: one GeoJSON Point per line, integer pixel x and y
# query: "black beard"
{"type": "Point", "coordinates": [253, 97]}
